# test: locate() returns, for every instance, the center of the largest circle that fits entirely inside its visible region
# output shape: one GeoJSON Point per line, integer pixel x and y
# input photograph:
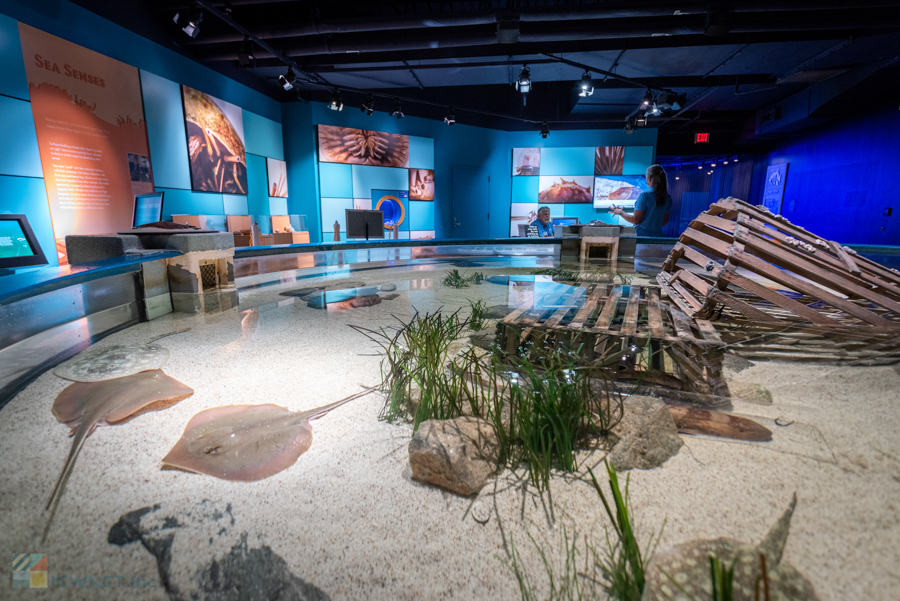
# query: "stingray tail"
{"type": "Point", "coordinates": [81, 433]}
{"type": "Point", "coordinates": [320, 411]}
{"type": "Point", "coordinates": [155, 338]}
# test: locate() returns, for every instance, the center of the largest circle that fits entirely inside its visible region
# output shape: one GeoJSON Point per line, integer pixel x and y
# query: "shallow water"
{"type": "Point", "coordinates": [348, 519]}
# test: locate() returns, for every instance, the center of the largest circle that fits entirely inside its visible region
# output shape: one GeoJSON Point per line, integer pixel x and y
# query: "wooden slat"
{"type": "Point", "coordinates": [515, 315]}
{"type": "Point", "coordinates": [682, 326]}
{"type": "Point", "coordinates": [609, 310]}
{"type": "Point", "coordinates": [654, 317]}
{"type": "Point", "coordinates": [590, 303]}
{"type": "Point", "coordinates": [797, 308]}
{"type": "Point", "coordinates": [807, 269]}
{"type": "Point", "coordinates": [844, 256]}
{"type": "Point", "coordinates": [708, 330]}
{"type": "Point", "coordinates": [749, 311]}
{"type": "Point", "coordinates": [771, 272]}
{"type": "Point", "coordinates": [629, 325]}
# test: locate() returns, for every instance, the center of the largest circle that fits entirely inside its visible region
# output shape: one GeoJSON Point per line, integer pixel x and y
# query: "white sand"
{"type": "Point", "coordinates": [347, 517]}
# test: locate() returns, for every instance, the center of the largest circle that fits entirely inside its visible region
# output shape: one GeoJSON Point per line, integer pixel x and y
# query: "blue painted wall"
{"type": "Point", "coordinates": [840, 179]}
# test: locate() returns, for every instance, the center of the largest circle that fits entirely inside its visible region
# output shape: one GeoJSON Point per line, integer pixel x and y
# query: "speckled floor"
{"type": "Point", "coordinates": [348, 519]}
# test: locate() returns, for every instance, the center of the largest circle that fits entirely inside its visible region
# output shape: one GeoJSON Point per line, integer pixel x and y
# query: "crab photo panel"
{"type": "Point", "coordinates": [565, 189]}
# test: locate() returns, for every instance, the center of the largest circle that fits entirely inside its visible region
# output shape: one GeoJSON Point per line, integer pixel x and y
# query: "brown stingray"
{"type": "Point", "coordinates": [691, 420]}
{"type": "Point", "coordinates": [246, 443]}
{"type": "Point", "coordinates": [85, 405]}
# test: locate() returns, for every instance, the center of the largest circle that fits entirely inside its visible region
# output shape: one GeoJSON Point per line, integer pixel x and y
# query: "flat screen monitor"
{"type": "Point", "coordinates": [147, 208]}
{"type": "Point", "coordinates": [564, 221]}
{"type": "Point", "coordinates": [18, 244]}
{"type": "Point", "coordinates": [364, 224]}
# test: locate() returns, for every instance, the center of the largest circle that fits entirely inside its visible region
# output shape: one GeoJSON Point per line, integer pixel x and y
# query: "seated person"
{"type": "Point", "coordinates": [543, 223]}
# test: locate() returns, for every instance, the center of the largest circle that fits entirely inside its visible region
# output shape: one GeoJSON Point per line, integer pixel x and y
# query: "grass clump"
{"type": "Point", "coordinates": [455, 279]}
{"type": "Point", "coordinates": [477, 316]}
{"type": "Point", "coordinates": [559, 274]}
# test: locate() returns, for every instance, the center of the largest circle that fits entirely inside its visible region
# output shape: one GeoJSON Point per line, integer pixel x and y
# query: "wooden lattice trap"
{"type": "Point", "coordinates": [628, 329]}
{"type": "Point", "coordinates": [776, 290]}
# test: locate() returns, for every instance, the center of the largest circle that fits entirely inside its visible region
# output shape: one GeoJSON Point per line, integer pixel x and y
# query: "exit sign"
{"type": "Point", "coordinates": [701, 138]}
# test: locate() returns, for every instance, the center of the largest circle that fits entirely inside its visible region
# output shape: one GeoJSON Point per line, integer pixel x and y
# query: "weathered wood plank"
{"type": "Point", "coordinates": [609, 309]}
{"type": "Point", "coordinates": [654, 315]}
{"type": "Point", "coordinates": [629, 325]}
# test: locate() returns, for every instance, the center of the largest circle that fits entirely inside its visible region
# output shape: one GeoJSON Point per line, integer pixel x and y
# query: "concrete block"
{"type": "Point", "coordinates": [87, 249]}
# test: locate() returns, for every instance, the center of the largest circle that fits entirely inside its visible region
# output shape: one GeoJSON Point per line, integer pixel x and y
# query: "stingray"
{"type": "Point", "coordinates": [685, 568]}
{"type": "Point", "coordinates": [105, 363]}
{"type": "Point", "coordinates": [85, 405]}
{"type": "Point", "coordinates": [246, 443]}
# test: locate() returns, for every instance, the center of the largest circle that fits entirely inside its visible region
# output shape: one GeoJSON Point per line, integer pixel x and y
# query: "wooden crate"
{"type": "Point", "coordinates": [777, 290]}
{"type": "Point", "coordinates": [629, 329]}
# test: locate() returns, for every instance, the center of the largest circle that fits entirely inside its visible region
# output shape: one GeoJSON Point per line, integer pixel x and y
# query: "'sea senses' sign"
{"type": "Point", "coordinates": [69, 71]}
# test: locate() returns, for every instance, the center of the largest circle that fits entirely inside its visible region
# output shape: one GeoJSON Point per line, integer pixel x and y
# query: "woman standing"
{"type": "Point", "coordinates": [651, 210]}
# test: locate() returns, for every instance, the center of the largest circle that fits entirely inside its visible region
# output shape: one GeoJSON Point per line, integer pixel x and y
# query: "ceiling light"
{"type": "Point", "coordinates": [713, 164]}
{"type": "Point", "coordinates": [190, 22]}
{"type": "Point", "coordinates": [368, 105]}
{"type": "Point", "coordinates": [676, 177]}
{"type": "Point", "coordinates": [337, 103]}
{"type": "Point", "coordinates": [724, 162]}
{"type": "Point", "coordinates": [653, 111]}
{"type": "Point", "coordinates": [245, 54]}
{"type": "Point", "coordinates": [287, 80]}
{"type": "Point", "coordinates": [450, 119]}
{"type": "Point", "coordinates": [398, 111]}
{"type": "Point", "coordinates": [735, 159]}
{"type": "Point", "coordinates": [545, 130]}
{"type": "Point", "coordinates": [648, 98]}
{"type": "Point", "coordinates": [587, 87]}
{"type": "Point", "coordinates": [629, 127]}
{"type": "Point", "coordinates": [700, 166]}
{"type": "Point", "coordinates": [523, 84]}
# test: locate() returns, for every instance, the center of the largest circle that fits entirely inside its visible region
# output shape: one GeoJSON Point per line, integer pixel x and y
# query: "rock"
{"type": "Point", "coordinates": [484, 339]}
{"type": "Point", "coordinates": [750, 392]}
{"type": "Point", "coordinates": [457, 454]}
{"type": "Point", "coordinates": [688, 564]}
{"type": "Point", "coordinates": [188, 570]}
{"type": "Point", "coordinates": [736, 364]}
{"type": "Point", "coordinates": [647, 435]}
{"type": "Point", "coordinates": [388, 287]}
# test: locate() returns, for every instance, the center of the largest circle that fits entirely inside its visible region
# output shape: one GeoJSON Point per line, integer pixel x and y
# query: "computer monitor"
{"type": "Point", "coordinates": [363, 223]}
{"type": "Point", "coordinates": [564, 221]}
{"type": "Point", "coordinates": [18, 244]}
{"type": "Point", "coordinates": [147, 208]}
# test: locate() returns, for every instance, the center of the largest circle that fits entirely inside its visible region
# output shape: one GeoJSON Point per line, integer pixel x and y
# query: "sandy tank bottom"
{"type": "Point", "coordinates": [348, 520]}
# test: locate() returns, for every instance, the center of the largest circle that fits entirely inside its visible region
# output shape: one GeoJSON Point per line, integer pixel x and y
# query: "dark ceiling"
{"type": "Point", "coordinates": [751, 71]}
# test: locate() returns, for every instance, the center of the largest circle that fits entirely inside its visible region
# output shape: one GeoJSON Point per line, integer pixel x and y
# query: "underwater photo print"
{"type": "Point", "coordinates": [277, 178]}
{"type": "Point", "coordinates": [362, 147]}
{"type": "Point", "coordinates": [526, 161]}
{"type": "Point", "coordinates": [421, 184]}
{"type": "Point", "coordinates": [565, 189]}
{"type": "Point", "coordinates": [609, 160]}
{"type": "Point", "coordinates": [215, 134]}
{"type": "Point", "coordinates": [621, 191]}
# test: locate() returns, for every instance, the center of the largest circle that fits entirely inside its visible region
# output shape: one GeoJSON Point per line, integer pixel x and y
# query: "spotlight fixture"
{"type": "Point", "coordinates": [368, 105]}
{"type": "Point", "coordinates": [725, 162]}
{"type": "Point", "coordinates": [629, 127]}
{"type": "Point", "coordinates": [545, 130]}
{"type": "Point", "coordinates": [680, 99]}
{"type": "Point", "coordinates": [245, 54]}
{"type": "Point", "coordinates": [190, 23]}
{"type": "Point", "coordinates": [337, 103]}
{"type": "Point", "coordinates": [648, 98]}
{"type": "Point", "coordinates": [700, 166]}
{"type": "Point", "coordinates": [735, 159]}
{"type": "Point", "coordinates": [523, 84]}
{"type": "Point", "coordinates": [398, 111]}
{"type": "Point", "coordinates": [587, 87]}
{"type": "Point", "coordinates": [676, 177]}
{"type": "Point", "coordinates": [450, 119]}
{"type": "Point", "coordinates": [653, 111]}
{"type": "Point", "coordinates": [713, 164]}
{"type": "Point", "coordinates": [287, 80]}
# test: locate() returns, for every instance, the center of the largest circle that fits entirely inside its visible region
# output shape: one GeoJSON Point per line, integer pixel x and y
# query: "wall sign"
{"type": "Point", "coordinates": [773, 193]}
{"type": "Point", "coordinates": [701, 138]}
{"type": "Point", "coordinates": [89, 118]}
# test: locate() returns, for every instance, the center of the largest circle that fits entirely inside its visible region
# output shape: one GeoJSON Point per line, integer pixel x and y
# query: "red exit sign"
{"type": "Point", "coordinates": [701, 138]}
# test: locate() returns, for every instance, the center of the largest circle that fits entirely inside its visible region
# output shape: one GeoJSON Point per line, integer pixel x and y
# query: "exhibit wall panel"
{"type": "Point", "coordinates": [235, 204]}
{"type": "Point", "coordinates": [22, 158]}
{"type": "Point", "coordinates": [165, 130]}
{"type": "Point", "coordinates": [421, 152]}
{"type": "Point", "coordinates": [302, 171]}
{"type": "Point", "coordinates": [335, 180]}
{"type": "Point", "coordinates": [263, 136]}
{"type": "Point", "coordinates": [13, 82]}
{"type": "Point", "coordinates": [333, 210]}
{"type": "Point", "coordinates": [367, 178]}
{"type": "Point", "coordinates": [187, 202]}
{"type": "Point", "coordinates": [567, 161]}
{"type": "Point", "coordinates": [257, 196]}
{"type": "Point", "coordinates": [278, 206]}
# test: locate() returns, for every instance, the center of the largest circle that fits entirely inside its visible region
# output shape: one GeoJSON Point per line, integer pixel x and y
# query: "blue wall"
{"type": "Point", "coordinates": [457, 145]}
{"type": "Point", "coordinates": [840, 179]}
